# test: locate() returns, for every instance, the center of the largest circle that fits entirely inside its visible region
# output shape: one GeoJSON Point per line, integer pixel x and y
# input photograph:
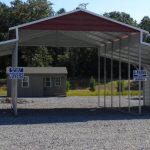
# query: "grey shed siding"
{"type": "Point", "coordinates": [36, 86]}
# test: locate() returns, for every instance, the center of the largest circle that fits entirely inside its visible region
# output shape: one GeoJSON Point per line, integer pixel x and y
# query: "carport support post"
{"type": "Point", "coordinates": [14, 81]}
{"type": "Point", "coordinates": [112, 74]}
{"type": "Point", "coordinates": [120, 73]}
{"type": "Point", "coordinates": [105, 77]}
{"type": "Point", "coordinates": [99, 49]}
{"type": "Point", "coordinates": [129, 66]}
{"type": "Point", "coordinates": [140, 69]}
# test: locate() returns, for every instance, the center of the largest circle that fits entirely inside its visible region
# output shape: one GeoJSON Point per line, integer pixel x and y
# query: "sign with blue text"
{"type": "Point", "coordinates": [139, 75]}
{"type": "Point", "coordinates": [16, 72]}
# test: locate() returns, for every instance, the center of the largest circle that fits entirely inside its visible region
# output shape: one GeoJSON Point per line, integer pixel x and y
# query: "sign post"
{"type": "Point", "coordinates": [139, 75]}
{"type": "Point", "coordinates": [15, 73]}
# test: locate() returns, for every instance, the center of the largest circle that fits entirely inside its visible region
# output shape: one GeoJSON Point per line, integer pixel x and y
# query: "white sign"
{"type": "Point", "coordinates": [139, 75]}
{"type": "Point", "coordinates": [16, 72]}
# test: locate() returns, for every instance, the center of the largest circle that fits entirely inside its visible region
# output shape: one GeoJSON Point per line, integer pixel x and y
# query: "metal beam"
{"type": "Point", "coordinates": [139, 53]}
{"type": "Point", "coordinates": [120, 74]}
{"type": "Point", "coordinates": [99, 77]}
{"type": "Point", "coordinates": [125, 57]}
{"type": "Point", "coordinates": [112, 75]}
{"type": "Point", "coordinates": [14, 82]}
{"type": "Point", "coordinates": [105, 77]}
{"type": "Point", "coordinates": [129, 68]}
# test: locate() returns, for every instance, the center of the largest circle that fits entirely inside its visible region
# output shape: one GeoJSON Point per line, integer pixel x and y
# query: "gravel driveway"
{"type": "Point", "coordinates": [72, 123]}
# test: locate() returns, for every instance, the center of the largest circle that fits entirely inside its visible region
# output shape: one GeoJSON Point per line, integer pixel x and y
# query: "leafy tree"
{"type": "Point", "coordinates": [82, 6]}
{"type": "Point", "coordinates": [122, 17]}
{"type": "Point", "coordinates": [60, 11]}
{"type": "Point", "coordinates": [39, 9]}
{"type": "Point", "coordinates": [41, 57]}
{"type": "Point", "coordinates": [22, 12]}
{"type": "Point", "coordinates": [4, 21]}
{"type": "Point", "coordinates": [145, 24]}
{"type": "Point", "coordinates": [18, 11]}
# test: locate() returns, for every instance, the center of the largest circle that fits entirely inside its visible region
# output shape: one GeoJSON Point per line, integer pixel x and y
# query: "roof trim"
{"type": "Point", "coordinates": [146, 44]}
{"type": "Point", "coordinates": [8, 41]}
{"type": "Point", "coordinates": [115, 21]}
{"type": "Point", "coordinates": [77, 10]}
{"type": "Point", "coordinates": [43, 19]}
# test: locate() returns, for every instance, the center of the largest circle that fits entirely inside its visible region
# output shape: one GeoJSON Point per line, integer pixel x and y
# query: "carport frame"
{"type": "Point", "coordinates": [94, 39]}
{"type": "Point", "coordinates": [120, 68]}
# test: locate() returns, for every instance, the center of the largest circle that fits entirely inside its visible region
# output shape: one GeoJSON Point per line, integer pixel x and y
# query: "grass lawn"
{"type": "Point", "coordinates": [95, 93]}
{"type": "Point", "coordinates": [3, 91]}
{"type": "Point", "coordinates": [86, 92]}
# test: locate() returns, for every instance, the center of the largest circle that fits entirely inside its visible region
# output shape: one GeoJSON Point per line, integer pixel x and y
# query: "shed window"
{"type": "Point", "coordinates": [25, 82]}
{"type": "Point", "coordinates": [47, 82]}
{"type": "Point", "coordinates": [57, 81]}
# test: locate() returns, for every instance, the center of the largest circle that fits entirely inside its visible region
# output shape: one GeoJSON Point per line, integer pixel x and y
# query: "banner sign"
{"type": "Point", "coordinates": [139, 75]}
{"type": "Point", "coordinates": [16, 72]}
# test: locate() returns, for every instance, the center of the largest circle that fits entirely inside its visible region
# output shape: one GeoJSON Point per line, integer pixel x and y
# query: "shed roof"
{"type": "Point", "coordinates": [45, 70]}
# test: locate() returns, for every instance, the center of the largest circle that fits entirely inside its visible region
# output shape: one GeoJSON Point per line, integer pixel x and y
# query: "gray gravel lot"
{"type": "Point", "coordinates": [73, 123]}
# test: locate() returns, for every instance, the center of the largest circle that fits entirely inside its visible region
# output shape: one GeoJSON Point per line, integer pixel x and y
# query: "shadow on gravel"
{"type": "Point", "coordinates": [67, 115]}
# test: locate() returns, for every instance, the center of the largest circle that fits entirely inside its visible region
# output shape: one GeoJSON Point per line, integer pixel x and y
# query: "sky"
{"type": "Point", "coordinates": [136, 8]}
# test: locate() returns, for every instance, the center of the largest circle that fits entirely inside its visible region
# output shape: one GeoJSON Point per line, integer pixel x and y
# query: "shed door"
{"type": "Point", "coordinates": [47, 83]}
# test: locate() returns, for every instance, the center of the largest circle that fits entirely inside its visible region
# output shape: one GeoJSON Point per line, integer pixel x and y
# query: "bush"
{"type": "Point", "coordinates": [135, 85]}
{"type": "Point", "coordinates": [92, 84]}
{"type": "Point", "coordinates": [68, 85]}
{"type": "Point", "coordinates": [122, 86]}
{"type": "Point", "coordinates": [3, 82]}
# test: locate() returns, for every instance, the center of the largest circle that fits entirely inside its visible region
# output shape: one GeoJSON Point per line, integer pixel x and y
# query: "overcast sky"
{"type": "Point", "coordinates": [136, 8]}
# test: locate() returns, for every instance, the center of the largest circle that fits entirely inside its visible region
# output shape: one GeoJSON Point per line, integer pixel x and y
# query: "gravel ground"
{"type": "Point", "coordinates": [73, 123]}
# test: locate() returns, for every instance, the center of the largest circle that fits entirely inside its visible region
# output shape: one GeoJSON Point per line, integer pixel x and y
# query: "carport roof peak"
{"type": "Point", "coordinates": [86, 12]}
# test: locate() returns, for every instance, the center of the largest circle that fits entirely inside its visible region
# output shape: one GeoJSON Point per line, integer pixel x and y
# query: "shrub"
{"type": "Point", "coordinates": [68, 85]}
{"type": "Point", "coordinates": [135, 85]}
{"type": "Point", "coordinates": [122, 86]}
{"type": "Point", "coordinates": [92, 84]}
{"type": "Point", "coordinates": [2, 82]}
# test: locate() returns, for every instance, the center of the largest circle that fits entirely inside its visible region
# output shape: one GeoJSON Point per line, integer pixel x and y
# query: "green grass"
{"type": "Point", "coordinates": [95, 93]}
{"type": "Point", "coordinates": [3, 91]}
{"type": "Point", "coordinates": [86, 92]}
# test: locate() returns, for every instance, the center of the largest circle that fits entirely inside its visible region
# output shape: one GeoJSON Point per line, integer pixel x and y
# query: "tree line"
{"type": "Point", "coordinates": [80, 62]}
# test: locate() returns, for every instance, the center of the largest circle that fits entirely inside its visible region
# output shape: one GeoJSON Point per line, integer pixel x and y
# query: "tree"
{"type": "Point", "coordinates": [60, 11]}
{"type": "Point", "coordinates": [18, 11]}
{"type": "Point", "coordinates": [4, 21]}
{"type": "Point", "coordinates": [122, 17]}
{"type": "Point", "coordinates": [22, 12]}
{"type": "Point", "coordinates": [41, 57]}
{"type": "Point", "coordinates": [145, 24]}
{"type": "Point", "coordinates": [82, 6]}
{"type": "Point", "coordinates": [39, 9]}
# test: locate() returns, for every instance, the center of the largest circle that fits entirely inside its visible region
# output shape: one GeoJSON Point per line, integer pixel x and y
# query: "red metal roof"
{"type": "Point", "coordinates": [79, 21]}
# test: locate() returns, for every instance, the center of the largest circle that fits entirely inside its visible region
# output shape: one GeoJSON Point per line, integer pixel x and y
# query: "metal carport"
{"type": "Point", "coordinates": [81, 28]}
